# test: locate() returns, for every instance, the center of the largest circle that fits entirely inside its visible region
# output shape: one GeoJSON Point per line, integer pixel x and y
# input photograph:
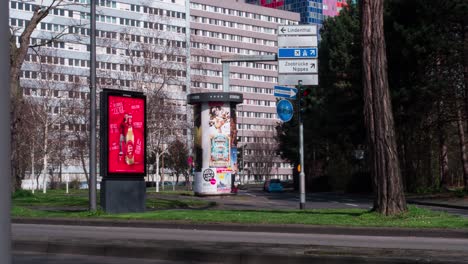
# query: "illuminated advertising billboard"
{"type": "Point", "coordinates": [123, 133]}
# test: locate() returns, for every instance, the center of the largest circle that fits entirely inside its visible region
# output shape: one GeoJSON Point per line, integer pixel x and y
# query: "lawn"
{"type": "Point", "coordinates": [192, 210]}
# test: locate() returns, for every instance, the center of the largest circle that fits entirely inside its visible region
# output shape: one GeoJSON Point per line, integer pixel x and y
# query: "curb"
{"type": "Point", "coordinates": [298, 229]}
{"type": "Point", "coordinates": [438, 204]}
{"type": "Point", "coordinates": [223, 254]}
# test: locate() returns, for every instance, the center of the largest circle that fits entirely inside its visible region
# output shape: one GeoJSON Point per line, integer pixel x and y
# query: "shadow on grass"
{"type": "Point", "coordinates": [308, 212]}
{"type": "Point", "coordinates": [168, 204]}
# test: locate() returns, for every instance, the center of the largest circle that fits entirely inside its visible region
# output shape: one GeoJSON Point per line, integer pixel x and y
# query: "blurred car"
{"type": "Point", "coordinates": [273, 185]}
{"type": "Point", "coordinates": [83, 185]}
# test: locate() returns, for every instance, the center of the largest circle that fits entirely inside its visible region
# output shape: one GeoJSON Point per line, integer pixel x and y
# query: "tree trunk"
{"type": "Point", "coordinates": [32, 169]}
{"type": "Point", "coordinates": [83, 164]}
{"type": "Point", "coordinates": [465, 72]}
{"type": "Point", "coordinates": [443, 163]}
{"type": "Point", "coordinates": [44, 170]}
{"type": "Point", "coordinates": [390, 199]}
{"type": "Point", "coordinates": [461, 136]}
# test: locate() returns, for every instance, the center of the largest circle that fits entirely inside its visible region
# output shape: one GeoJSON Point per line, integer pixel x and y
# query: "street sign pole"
{"type": "Point", "coordinates": [92, 119]}
{"type": "Point", "coordinates": [301, 151]}
{"type": "Point", "coordinates": [5, 179]}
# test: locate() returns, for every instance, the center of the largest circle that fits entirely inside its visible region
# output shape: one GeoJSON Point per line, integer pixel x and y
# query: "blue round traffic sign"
{"type": "Point", "coordinates": [285, 110]}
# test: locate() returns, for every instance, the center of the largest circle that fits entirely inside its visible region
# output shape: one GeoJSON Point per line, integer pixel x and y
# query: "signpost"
{"type": "Point", "coordinates": [297, 65]}
{"type": "Point", "coordinates": [300, 41]}
{"type": "Point", "coordinates": [285, 92]}
{"type": "Point", "coordinates": [310, 79]}
{"type": "Point", "coordinates": [285, 110]}
{"type": "Point", "coordinates": [297, 53]}
{"type": "Point", "coordinates": [298, 30]}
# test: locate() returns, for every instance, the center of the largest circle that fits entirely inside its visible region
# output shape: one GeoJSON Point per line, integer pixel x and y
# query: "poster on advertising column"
{"type": "Point", "coordinates": [123, 130]}
{"type": "Point", "coordinates": [219, 135]}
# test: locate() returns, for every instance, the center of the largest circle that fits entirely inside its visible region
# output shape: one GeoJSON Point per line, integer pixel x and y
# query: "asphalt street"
{"type": "Point", "coordinates": [93, 233]}
{"type": "Point", "coordinates": [256, 199]}
{"type": "Point", "coordinates": [41, 258]}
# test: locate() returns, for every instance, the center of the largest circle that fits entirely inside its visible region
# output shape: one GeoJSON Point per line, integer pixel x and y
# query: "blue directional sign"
{"type": "Point", "coordinates": [285, 110]}
{"type": "Point", "coordinates": [297, 53]}
{"type": "Point", "coordinates": [285, 92]}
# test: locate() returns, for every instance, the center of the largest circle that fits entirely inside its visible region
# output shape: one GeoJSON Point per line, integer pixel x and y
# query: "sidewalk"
{"type": "Point", "coordinates": [289, 228]}
{"type": "Point", "coordinates": [439, 200]}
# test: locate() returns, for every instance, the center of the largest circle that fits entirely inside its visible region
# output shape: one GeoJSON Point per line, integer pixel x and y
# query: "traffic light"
{"type": "Point", "coordinates": [304, 94]}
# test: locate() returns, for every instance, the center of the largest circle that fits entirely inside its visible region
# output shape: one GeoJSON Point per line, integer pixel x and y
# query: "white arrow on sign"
{"type": "Point", "coordinates": [298, 30]}
{"type": "Point", "coordinates": [298, 66]}
{"type": "Point", "coordinates": [285, 92]}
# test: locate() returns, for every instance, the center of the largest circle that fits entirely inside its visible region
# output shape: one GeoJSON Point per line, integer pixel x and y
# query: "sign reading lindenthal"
{"type": "Point", "coordinates": [215, 146]}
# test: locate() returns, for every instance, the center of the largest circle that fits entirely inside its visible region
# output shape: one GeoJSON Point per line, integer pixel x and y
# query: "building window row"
{"type": "Point", "coordinates": [253, 77]}
{"type": "Point", "coordinates": [57, 77]}
{"type": "Point", "coordinates": [141, 69]}
{"type": "Point", "coordinates": [18, 22]}
{"type": "Point", "coordinates": [157, 11]}
{"type": "Point", "coordinates": [256, 115]}
{"type": "Point", "coordinates": [255, 127]}
{"type": "Point", "coordinates": [55, 93]}
{"type": "Point", "coordinates": [259, 102]}
{"type": "Point", "coordinates": [204, 72]}
{"type": "Point", "coordinates": [53, 27]}
{"type": "Point", "coordinates": [232, 37]}
{"type": "Point", "coordinates": [205, 85]}
{"type": "Point", "coordinates": [249, 89]}
{"type": "Point", "coordinates": [146, 54]}
{"type": "Point", "coordinates": [255, 65]}
{"type": "Point", "coordinates": [249, 139]}
{"type": "Point", "coordinates": [233, 12]}
{"type": "Point", "coordinates": [230, 24]}
{"type": "Point", "coordinates": [206, 59]}
{"type": "Point", "coordinates": [140, 39]}
{"type": "Point", "coordinates": [274, 165]}
{"type": "Point", "coordinates": [252, 65]}
{"type": "Point", "coordinates": [56, 60]}
{"type": "Point", "coordinates": [228, 49]}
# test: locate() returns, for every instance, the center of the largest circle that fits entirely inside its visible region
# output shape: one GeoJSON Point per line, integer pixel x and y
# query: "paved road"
{"type": "Point", "coordinates": [255, 198]}
{"type": "Point", "coordinates": [40, 258]}
{"type": "Point", "coordinates": [70, 233]}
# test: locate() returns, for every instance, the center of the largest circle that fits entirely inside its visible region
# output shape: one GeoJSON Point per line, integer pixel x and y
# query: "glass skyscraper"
{"type": "Point", "coordinates": [311, 10]}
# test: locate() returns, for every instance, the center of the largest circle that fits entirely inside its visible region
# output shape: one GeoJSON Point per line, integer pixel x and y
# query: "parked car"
{"type": "Point", "coordinates": [273, 185]}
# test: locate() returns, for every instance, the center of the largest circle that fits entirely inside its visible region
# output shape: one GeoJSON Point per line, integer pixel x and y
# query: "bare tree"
{"type": "Point", "coordinates": [177, 160]}
{"type": "Point", "coordinates": [76, 112]}
{"type": "Point", "coordinates": [390, 199]}
{"type": "Point", "coordinates": [45, 112]}
{"type": "Point", "coordinates": [261, 155]}
{"type": "Point", "coordinates": [18, 51]}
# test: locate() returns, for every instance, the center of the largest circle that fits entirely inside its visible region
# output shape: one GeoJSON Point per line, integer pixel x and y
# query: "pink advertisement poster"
{"type": "Point", "coordinates": [126, 132]}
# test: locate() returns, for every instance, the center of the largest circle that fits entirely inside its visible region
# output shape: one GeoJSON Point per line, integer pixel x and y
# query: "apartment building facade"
{"type": "Point", "coordinates": [222, 29]}
{"type": "Point", "coordinates": [150, 45]}
{"type": "Point", "coordinates": [141, 46]}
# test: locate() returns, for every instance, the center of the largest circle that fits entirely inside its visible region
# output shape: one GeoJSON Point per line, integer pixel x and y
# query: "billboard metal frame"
{"type": "Point", "coordinates": [104, 133]}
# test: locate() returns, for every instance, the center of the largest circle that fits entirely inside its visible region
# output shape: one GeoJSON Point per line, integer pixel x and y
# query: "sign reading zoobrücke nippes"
{"type": "Point", "coordinates": [123, 132]}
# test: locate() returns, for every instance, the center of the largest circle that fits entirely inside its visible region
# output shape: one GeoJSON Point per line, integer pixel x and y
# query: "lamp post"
{"type": "Point", "coordinates": [5, 180]}
{"type": "Point", "coordinates": [92, 125]}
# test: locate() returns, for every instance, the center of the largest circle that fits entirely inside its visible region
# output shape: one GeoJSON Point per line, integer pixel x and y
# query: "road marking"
{"type": "Point", "coordinates": [355, 205]}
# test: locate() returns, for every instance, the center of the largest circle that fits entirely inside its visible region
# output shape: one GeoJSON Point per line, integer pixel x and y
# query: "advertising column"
{"type": "Point", "coordinates": [123, 146]}
{"type": "Point", "coordinates": [215, 141]}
